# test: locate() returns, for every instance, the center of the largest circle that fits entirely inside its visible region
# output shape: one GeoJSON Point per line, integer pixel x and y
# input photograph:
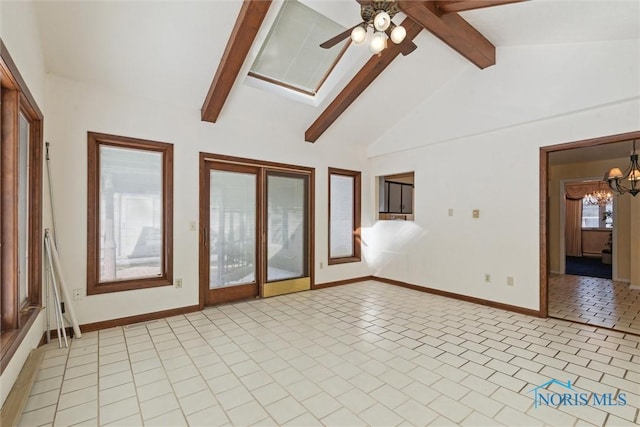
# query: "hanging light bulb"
{"type": "Point", "coordinates": [358, 34]}
{"type": "Point", "coordinates": [378, 43]}
{"type": "Point", "coordinates": [382, 21]}
{"type": "Point", "coordinates": [398, 34]}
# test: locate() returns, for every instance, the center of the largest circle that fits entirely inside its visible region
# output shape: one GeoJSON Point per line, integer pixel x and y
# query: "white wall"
{"type": "Point", "coordinates": [475, 145]}
{"type": "Point", "coordinates": [497, 173]}
{"type": "Point", "coordinates": [75, 108]}
{"type": "Point", "coordinates": [20, 34]}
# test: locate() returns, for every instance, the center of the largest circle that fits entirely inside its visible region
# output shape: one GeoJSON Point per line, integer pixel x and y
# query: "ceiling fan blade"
{"type": "Point", "coordinates": [337, 39]}
{"type": "Point", "coordinates": [406, 46]}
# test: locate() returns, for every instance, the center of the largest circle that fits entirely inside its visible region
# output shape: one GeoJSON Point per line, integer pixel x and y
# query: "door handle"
{"type": "Point", "coordinates": [205, 236]}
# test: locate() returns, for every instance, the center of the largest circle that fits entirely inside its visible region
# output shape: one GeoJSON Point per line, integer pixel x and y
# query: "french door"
{"type": "Point", "coordinates": [286, 235]}
{"type": "Point", "coordinates": [255, 223]}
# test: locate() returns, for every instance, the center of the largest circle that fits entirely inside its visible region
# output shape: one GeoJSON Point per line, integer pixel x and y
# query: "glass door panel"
{"type": "Point", "coordinates": [232, 237]}
{"type": "Point", "coordinates": [287, 231]}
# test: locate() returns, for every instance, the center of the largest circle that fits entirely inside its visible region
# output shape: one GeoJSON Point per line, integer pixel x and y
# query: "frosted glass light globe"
{"type": "Point", "coordinates": [382, 21]}
{"type": "Point", "coordinates": [377, 43]}
{"type": "Point", "coordinates": [358, 34]}
{"type": "Point", "coordinates": [398, 34]}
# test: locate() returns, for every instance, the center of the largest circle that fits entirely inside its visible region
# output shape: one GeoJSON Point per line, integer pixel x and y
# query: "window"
{"type": "Point", "coordinates": [395, 196]}
{"type": "Point", "coordinates": [20, 208]}
{"type": "Point", "coordinates": [130, 214]}
{"type": "Point", "coordinates": [595, 216]}
{"type": "Point", "coordinates": [344, 216]}
{"type": "Point", "coordinates": [291, 55]}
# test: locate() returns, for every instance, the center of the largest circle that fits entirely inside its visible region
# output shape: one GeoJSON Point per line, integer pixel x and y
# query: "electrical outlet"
{"type": "Point", "coordinates": [487, 277]}
{"type": "Point", "coordinates": [178, 283]}
{"type": "Point", "coordinates": [77, 294]}
{"type": "Point", "coordinates": [509, 280]}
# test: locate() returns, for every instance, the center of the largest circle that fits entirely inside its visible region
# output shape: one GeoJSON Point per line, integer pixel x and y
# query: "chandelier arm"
{"type": "Point", "coordinates": [635, 171]}
{"type": "Point", "coordinates": [616, 185]}
{"type": "Point", "coordinates": [628, 174]}
{"type": "Point", "coordinates": [631, 173]}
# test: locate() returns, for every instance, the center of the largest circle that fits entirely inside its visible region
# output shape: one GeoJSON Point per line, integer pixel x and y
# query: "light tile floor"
{"type": "Point", "coordinates": [595, 301]}
{"type": "Point", "coordinates": [361, 354]}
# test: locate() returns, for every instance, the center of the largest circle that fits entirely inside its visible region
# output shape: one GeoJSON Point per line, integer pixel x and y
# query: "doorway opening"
{"type": "Point", "coordinates": [608, 237]}
{"type": "Point", "coordinates": [587, 223]}
{"type": "Point", "coordinates": [256, 228]}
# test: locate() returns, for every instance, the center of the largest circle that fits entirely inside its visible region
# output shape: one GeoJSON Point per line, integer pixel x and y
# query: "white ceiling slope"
{"type": "Point", "coordinates": [169, 50]}
{"type": "Point", "coordinates": [531, 83]}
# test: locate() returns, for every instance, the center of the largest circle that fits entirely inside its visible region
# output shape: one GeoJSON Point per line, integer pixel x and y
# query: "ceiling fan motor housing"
{"type": "Point", "coordinates": [369, 11]}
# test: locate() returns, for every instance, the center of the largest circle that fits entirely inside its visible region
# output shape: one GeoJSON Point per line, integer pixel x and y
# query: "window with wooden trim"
{"type": "Point", "coordinates": [344, 216]}
{"type": "Point", "coordinates": [130, 214]}
{"type": "Point", "coordinates": [20, 208]}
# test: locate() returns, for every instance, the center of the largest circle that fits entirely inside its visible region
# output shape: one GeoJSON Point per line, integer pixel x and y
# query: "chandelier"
{"type": "Point", "coordinates": [378, 16]}
{"type": "Point", "coordinates": [617, 179]}
{"type": "Point", "coordinates": [598, 198]}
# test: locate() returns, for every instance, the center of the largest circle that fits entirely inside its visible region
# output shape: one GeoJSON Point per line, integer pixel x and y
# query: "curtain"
{"type": "Point", "coordinates": [575, 192]}
{"type": "Point", "coordinates": [573, 227]}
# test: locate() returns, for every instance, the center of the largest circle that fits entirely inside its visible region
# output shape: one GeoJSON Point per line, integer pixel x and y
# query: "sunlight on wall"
{"type": "Point", "coordinates": [393, 239]}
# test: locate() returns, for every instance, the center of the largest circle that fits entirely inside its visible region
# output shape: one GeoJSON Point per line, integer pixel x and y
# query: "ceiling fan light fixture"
{"type": "Point", "coordinates": [382, 21]}
{"type": "Point", "coordinates": [398, 34]}
{"type": "Point", "coordinates": [378, 43]}
{"type": "Point", "coordinates": [358, 34]}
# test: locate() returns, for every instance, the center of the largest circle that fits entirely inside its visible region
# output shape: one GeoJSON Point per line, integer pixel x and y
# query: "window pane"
{"type": "Point", "coordinates": [608, 214]}
{"type": "Point", "coordinates": [232, 225]}
{"type": "Point", "coordinates": [341, 216]}
{"type": "Point", "coordinates": [590, 216]}
{"type": "Point", "coordinates": [130, 213]}
{"type": "Point", "coordinates": [291, 53]}
{"type": "Point", "coordinates": [23, 209]}
{"type": "Point", "coordinates": [286, 224]}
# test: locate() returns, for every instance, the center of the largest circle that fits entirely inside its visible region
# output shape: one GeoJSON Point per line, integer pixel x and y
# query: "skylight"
{"type": "Point", "coordinates": [291, 56]}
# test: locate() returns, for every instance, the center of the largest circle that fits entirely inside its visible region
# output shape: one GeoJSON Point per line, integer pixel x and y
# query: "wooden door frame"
{"type": "Point", "coordinates": [204, 158]}
{"type": "Point", "coordinates": [240, 291]}
{"type": "Point", "coordinates": [264, 218]}
{"type": "Point", "coordinates": [544, 202]}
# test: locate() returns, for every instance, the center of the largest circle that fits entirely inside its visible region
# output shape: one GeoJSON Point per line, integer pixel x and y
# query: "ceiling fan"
{"type": "Point", "coordinates": [377, 15]}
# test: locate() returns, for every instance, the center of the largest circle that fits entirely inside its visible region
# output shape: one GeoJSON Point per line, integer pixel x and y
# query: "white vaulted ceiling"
{"type": "Point", "coordinates": [169, 51]}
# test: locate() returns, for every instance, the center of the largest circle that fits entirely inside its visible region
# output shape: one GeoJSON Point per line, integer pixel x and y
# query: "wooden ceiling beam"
{"type": "Point", "coordinates": [452, 29]}
{"type": "Point", "coordinates": [244, 33]}
{"type": "Point", "coordinates": [369, 72]}
{"type": "Point", "coordinates": [453, 6]}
